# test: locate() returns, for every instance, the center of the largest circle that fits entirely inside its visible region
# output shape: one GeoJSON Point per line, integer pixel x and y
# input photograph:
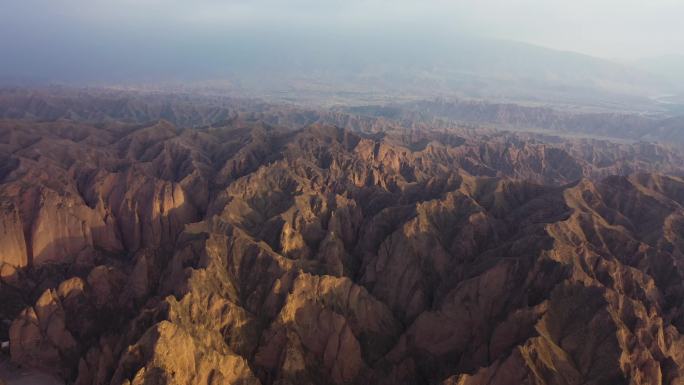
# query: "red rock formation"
{"type": "Point", "coordinates": [247, 253]}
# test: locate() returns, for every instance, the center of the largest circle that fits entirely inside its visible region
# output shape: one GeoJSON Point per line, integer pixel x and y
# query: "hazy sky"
{"type": "Point", "coordinates": [34, 33]}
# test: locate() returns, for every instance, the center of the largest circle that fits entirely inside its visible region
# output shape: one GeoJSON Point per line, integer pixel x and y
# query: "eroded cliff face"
{"type": "Point", "coordinates": [246, 253]}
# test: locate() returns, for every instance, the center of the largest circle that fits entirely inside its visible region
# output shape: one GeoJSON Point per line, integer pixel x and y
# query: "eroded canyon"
{"type": "Point", "coordinates": [174, 243]}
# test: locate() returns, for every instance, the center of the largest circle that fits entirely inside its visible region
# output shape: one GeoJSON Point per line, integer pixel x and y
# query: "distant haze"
{"type": "Point", "coordinates": [179, 40]}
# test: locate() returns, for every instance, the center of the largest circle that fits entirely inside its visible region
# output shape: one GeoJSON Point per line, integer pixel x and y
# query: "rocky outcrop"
{"type": "Point", "coordinates": [12, 241]}
{"type": "Point", "coordinates": [193, 364]}
{"type": "Point", "coordinates": [247, 253]}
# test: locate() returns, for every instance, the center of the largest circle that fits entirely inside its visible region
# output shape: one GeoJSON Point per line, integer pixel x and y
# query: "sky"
{"type": "Point", "coordinates": [96, 37]}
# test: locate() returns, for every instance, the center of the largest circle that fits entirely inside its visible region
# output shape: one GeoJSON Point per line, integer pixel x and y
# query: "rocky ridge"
{"type": "Point", "coordinates": [251, 252]}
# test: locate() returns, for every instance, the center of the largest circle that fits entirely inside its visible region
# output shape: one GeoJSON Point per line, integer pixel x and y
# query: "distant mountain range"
{"type": "Point", "coordinates": [669, 66]}
{"type": "Point", "coordinates": [358, 69]}
{"type": "Point", "coordinates": [496, 70]}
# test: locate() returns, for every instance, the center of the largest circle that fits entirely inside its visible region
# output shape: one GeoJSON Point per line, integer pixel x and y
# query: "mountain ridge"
{"type": "Point", "coordinates": [260, 253]}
